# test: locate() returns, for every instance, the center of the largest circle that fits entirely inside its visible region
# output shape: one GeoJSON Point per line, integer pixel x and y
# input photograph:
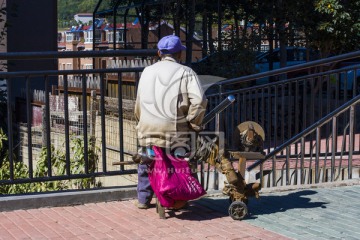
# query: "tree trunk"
{"type": "Point", "coordinates": [219, 26]}
{"type": "Point", "coordinates": [244, 31]}
{"type": "Point", "coordinates": [236, 20]}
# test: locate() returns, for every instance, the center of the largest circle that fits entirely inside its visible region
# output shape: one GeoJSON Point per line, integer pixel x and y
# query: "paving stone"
{"type": "Point", "coordinates": [315, 213]}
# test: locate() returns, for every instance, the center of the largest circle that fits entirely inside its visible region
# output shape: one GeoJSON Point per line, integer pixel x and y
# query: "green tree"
{"type": "Point", "coordinates": [339, 25]}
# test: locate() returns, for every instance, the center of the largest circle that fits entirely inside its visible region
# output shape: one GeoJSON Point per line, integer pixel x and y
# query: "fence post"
{"type": "Point", "coordinates": [44, 134]}
{"type": "Point", "coordinates": [93, 108]}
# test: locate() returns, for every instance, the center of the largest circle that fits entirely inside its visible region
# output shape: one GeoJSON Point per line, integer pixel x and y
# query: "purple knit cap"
{"type": "Point", "coordinates": [170, 44]}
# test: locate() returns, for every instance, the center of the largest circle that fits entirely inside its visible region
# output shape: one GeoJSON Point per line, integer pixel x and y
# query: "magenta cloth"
{"type": "Point", "coordinates": [171, 179]}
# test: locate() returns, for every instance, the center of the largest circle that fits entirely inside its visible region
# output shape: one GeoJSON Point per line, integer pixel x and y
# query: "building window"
{"type": "Point", "coordinates": [68, 66]}
{"type": "Point", "coordinates": [69, 37]}
{"type": "Point", "coordinates": [119, 36]}
{"type": "Point", "coordinates": [88, 36]}
{"type": "Point", "coordinates": [87, 66]}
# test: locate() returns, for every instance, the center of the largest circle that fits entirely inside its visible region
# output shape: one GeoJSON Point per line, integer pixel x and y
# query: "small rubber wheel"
{"type": "Point", "coordinates": [238, 210]}
{"type": "Point", "coordinates": [246, 201]}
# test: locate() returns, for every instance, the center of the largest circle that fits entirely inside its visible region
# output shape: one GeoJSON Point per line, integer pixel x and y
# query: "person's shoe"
{"type": "Point", "coordinates": [141, 205]}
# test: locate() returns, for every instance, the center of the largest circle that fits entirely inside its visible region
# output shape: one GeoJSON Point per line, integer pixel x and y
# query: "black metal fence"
{"type": "Point", "coordinates": [80, 123]}
{"type": "Point", "coordinates": [286, 102]}
{"type": "Point", "coordinates": [284, 106]}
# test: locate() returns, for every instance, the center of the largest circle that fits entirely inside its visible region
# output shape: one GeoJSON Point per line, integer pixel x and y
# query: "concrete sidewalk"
{"type": "Point", "coordinates": [313, 213]}
{"type": "Point", "coordinates": [328, 211]}
{"type": "Point", "coordinates": [122, 220]}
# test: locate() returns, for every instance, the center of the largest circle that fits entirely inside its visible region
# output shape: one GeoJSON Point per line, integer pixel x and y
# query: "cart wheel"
{"type": "Point", "coordinates": [246, 201]}
{"type": "Point", "coordinates": [238, 210]}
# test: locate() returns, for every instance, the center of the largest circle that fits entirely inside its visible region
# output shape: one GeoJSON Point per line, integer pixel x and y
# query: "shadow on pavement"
{"type": "Point", "coordinates": [211, 208]}
{"type": "Point", "coordinates": [196, 211]}
{"type": "Point", "coordinates": [272, 204]}
{"type": "Point", "coordinates": [266, 204]}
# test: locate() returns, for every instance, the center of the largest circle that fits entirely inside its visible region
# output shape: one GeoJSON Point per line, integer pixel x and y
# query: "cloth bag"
{"type": "Point", "coordinates": [171, 179]}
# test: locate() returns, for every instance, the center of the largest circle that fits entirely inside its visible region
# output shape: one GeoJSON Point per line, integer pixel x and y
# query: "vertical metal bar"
{"type": "Point", "coordinates": [319, 109]}
{"type": "Point", "coordinates": [355, 84]}
{"type": "Point", "coordinates": [102, 109]}
{"type": "Point", "coordinates": [337, 93]}
{"type": "Point", "coordinates": [328, 103]}
{"type": "Point", "coordinates": [251, 105]}
{"type": "Point", "coordinates": [67, 134]}
{"type": "Point", "coordinates": [274, 171]}
{"type": "Point", "coordinates": [345, 85]}
{"type": "Point", "coordinates": [47, 122]}
{"type": "Point", "coordinates": [297, 103]}
{"type": "Point", "coordinates": [287, 165]}
{"type": "Point", "coordinates": [137, 78]}
{"type": "Point", "coordinates": [244, 108]}
{"type": "Point", "coordinates": [317, 155]}
{"type": "Point", "coordinates": [217, 130]}
{"type": "Point", "coordinates": [312, 100]}
{"type": "Point", "coordinates": [333, 147]}
{"type": "Point", "coordinates": [94, 29]}
{"type": "Point", "coordinates": [269, 117]}
{"type": "Point", "coordinates": [232, 121]}
{"type": "Point", "coordinates": [290, 116]}
{"type": "Point", "coordinates": [121, 119]}
{"type": "Point", "coordinates": [10, 128]}
{"type": "Point", "coordinates": [238, 105]}
{"type": "Point", "coordinates": [351, 140]}
{"type": "Point", "coordinates": [282, 122]}
{"type": "Point", "coordinates": [85, 127]}
{"type": "Point", "coordinates": [312, 103]}
{"type": "Point", "coordinates": [114, 29]}
{"type": "Point", "coordinates": [324, 168]}
{"type": "Point", "coordinates": [261, 175]}
{"type": "Point", "coordinates": [304, 105]}
{"type": "Point", "coordinates": [256, 106]}
{"type": "Point", "coordinates": [302, 163]}
{"type": "Point", "coordinates": [29, 125]}
{"type": "Point", "coordinates": [202, 174]}
{"type": "Point", "coordinates": [125, 28]}
{"type": "Point", "coordinates": [275, 115]}
{"type": "Point", "coordinates": [262, 115]}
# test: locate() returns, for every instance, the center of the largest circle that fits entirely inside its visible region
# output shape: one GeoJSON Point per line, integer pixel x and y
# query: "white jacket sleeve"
{"type": "Point", "coordinates": [197, 101]}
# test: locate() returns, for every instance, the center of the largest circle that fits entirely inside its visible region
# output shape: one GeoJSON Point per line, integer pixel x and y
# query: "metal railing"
{"type": "Point", "coordinates": [283, 108]}
{"type": "Point", "coordinates": [311, 143]}
{"type": "Point", "coordinates": [294, 99]}
{"type": "Point", "coordinates": [100, 126]}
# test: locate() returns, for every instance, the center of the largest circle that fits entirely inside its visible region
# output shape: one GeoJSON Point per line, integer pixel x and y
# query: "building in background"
{"type": "Point", "coordinates": [83, 18]}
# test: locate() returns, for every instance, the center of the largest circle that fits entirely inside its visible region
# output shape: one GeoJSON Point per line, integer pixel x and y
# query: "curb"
{"type": "Point", "coordinates": [79, 197]}
{"type": "Point", "coordinates": [58, 199]}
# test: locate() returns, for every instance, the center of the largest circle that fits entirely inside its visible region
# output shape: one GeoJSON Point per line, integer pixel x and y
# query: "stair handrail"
{"type": "Point", "coordinates": [310, 64]}
{"type": "Point", "coordinates": [307, 131]}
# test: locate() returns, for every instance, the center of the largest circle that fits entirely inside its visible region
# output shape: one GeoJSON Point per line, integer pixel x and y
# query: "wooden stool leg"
{"type": "Point", "coordinates": [160, 210]}
{"type": "Point", "coordinates": [242, 166]}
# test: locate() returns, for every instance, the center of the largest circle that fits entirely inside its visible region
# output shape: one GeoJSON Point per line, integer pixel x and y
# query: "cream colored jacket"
{"type": "Point", "coordinates": [169, 101]}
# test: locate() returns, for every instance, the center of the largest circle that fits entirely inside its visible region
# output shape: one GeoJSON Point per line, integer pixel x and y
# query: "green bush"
{"type": "Point", "coordinates": [58, 163]}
